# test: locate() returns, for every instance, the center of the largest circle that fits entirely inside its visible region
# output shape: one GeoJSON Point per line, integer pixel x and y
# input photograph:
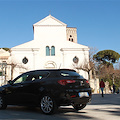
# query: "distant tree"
{"type": "Point", "coordinates": [106, 71]}
{"type": "Point", "coordinates": [107, 57]}
{"type": "Point", "coordinates": [7, 49]}
{"type": "Point", "coordinates": [15, 65]}
{"type": "Point", "coordinates": [87, 65]}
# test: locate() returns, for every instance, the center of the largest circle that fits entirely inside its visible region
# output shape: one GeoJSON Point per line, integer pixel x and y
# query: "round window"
{"type": "Point", "coordinates": [75, 59]}
{"type": "Point", "coordinates": [25, 60]}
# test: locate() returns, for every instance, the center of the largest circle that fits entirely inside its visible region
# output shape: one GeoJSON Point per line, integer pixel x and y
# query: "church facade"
{"type": "Point", "coordinates": [54, 47]}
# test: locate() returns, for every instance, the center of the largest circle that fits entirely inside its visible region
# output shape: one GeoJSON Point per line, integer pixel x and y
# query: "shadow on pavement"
{"type": "Point", "coordinates": [109, 105]}
{"type": "Point", "coordinates": [24, 113]}
{"type": "Point", "coordinates": [113, 99]}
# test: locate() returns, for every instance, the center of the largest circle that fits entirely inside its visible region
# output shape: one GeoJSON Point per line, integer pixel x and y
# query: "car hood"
{"type": "Point", "coordinates": [3, 87]}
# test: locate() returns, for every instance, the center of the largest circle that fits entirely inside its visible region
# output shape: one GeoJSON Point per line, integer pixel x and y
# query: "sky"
{"type": "Point", "coordinates": [97, 21]}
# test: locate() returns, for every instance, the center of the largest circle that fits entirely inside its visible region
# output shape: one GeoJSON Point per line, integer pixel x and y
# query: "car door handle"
{"type": "Point", "coordinates": [21, 85]}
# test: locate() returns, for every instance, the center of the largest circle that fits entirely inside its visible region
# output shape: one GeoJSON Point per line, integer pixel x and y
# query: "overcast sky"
{"type": "Point", "coordinates": [97, 21]}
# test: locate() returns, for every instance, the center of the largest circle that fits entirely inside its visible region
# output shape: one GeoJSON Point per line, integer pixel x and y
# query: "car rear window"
{"type": "Point", "coordinates": [70, 74]}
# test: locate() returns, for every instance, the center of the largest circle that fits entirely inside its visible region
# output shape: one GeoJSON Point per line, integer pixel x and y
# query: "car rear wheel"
{"type": "Point", "coordinates": [79, 106]}
{"type": "Point", "coordinates": [2, 103]}
{"type": "Point", "coordinates": [47, 104]}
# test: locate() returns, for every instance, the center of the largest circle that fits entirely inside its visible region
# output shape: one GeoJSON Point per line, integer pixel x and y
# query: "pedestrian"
{"type": "Point", "coordinates": [110, 88]}
{"type": "Point", "coordinates": [102, 86]}
{"type": "Point", "coordinates": [114, 88]}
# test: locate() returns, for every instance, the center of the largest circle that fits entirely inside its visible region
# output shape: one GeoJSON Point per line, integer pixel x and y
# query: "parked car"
{"type": "Point", "coordinates": [47, 89]}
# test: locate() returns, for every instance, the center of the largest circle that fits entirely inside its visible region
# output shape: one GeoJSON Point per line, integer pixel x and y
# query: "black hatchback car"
{"type": "Point", "coordinates": [47, 89]}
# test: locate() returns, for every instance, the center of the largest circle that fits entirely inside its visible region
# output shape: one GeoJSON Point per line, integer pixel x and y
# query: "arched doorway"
{"type": "Point", "coordinates": [50, 65]}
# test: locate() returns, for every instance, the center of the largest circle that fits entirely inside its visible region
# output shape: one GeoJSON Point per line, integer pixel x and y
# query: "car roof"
{"type": "Point", "coordinates": [52, 70]}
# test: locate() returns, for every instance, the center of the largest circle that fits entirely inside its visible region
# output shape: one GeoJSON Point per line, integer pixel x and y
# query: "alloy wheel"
{"type": "Point", "coordinates": [47, 104]}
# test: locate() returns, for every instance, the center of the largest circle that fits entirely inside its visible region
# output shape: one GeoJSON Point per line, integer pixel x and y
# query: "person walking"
{"type": "Point", "coordinates": [114, 88]}
{"type": "Point", "coordinates": [102, 86]}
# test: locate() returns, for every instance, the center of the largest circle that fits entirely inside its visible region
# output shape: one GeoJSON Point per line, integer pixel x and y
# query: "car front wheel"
{"type": "Point", "coordinates": [48, 105]}
{"type": "Point", "coordinates": [2, 103]}
{"type": "Point", "coordinates": [79, 106]}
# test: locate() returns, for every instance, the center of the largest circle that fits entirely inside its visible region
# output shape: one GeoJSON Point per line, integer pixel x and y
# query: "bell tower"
{"type": "Point", "coordinates": [71, 34]}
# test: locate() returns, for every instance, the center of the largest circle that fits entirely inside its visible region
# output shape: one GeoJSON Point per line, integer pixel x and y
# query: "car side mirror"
{"type": "Point", "coordinates": [10, 82]}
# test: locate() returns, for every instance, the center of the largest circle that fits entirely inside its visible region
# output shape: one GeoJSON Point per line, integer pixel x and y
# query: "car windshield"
{"type": "Point", "coordinates": [21, 78]}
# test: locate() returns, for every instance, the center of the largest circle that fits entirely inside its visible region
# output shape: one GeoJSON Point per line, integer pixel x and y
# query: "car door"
{"type": "Point", "coordinates": [19, 91]}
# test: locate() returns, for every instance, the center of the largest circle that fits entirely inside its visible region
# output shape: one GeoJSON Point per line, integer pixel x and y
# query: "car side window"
{"type": "Point", "coordinates": [39, 75]}
{"type": "Point", "coordinates": [36, 77]}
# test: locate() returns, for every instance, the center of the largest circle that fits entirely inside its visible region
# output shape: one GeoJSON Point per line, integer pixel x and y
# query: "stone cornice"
{"type": "Point", "coordinates": [74, 49]}
{"type": "Point", "coordinates": [25, 49]}
{"type": "Point", "coordinates": [49, 25]}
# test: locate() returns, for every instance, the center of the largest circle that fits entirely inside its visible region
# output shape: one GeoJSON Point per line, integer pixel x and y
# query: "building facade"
{"type": "Point", "coordinates": [54, 46]}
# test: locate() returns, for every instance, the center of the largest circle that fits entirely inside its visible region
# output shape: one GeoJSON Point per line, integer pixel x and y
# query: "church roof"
{"type": "Point", "coordinates": [73, 46]}
{"type": "Point", "coordinates": [50, 20]}
{"type": "Point", "coordinates": [36, 45]}
{"type": "Point", "coordinates": [31, 44]}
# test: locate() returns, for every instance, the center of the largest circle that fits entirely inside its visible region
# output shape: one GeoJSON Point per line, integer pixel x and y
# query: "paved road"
{"type": "Point", "coordinates": [99, 109]}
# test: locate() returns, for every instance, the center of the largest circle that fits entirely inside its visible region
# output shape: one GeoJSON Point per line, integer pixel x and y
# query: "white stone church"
{"type": "Point", "coordinates": [54, 46]}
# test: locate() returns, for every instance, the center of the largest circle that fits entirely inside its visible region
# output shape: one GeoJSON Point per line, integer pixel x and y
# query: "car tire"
{"type": "Point", "coordinates": [2, 103]}
{"type": "Point", "coordinates": [48, 104]}
{"type": "Point", "coordinates": [79, 106]}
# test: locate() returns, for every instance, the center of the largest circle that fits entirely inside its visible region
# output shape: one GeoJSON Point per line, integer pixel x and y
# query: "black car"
{"type": "Point", "coordinates": [47, 89]}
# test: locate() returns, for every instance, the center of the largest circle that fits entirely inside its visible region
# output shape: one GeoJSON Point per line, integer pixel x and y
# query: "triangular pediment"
{"type": "Point", "coordinates": [2, 50]}
{"type": "Point", "coordinates": [4, 54]}
{"type": "Point", "coordinates": [50, 20]}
